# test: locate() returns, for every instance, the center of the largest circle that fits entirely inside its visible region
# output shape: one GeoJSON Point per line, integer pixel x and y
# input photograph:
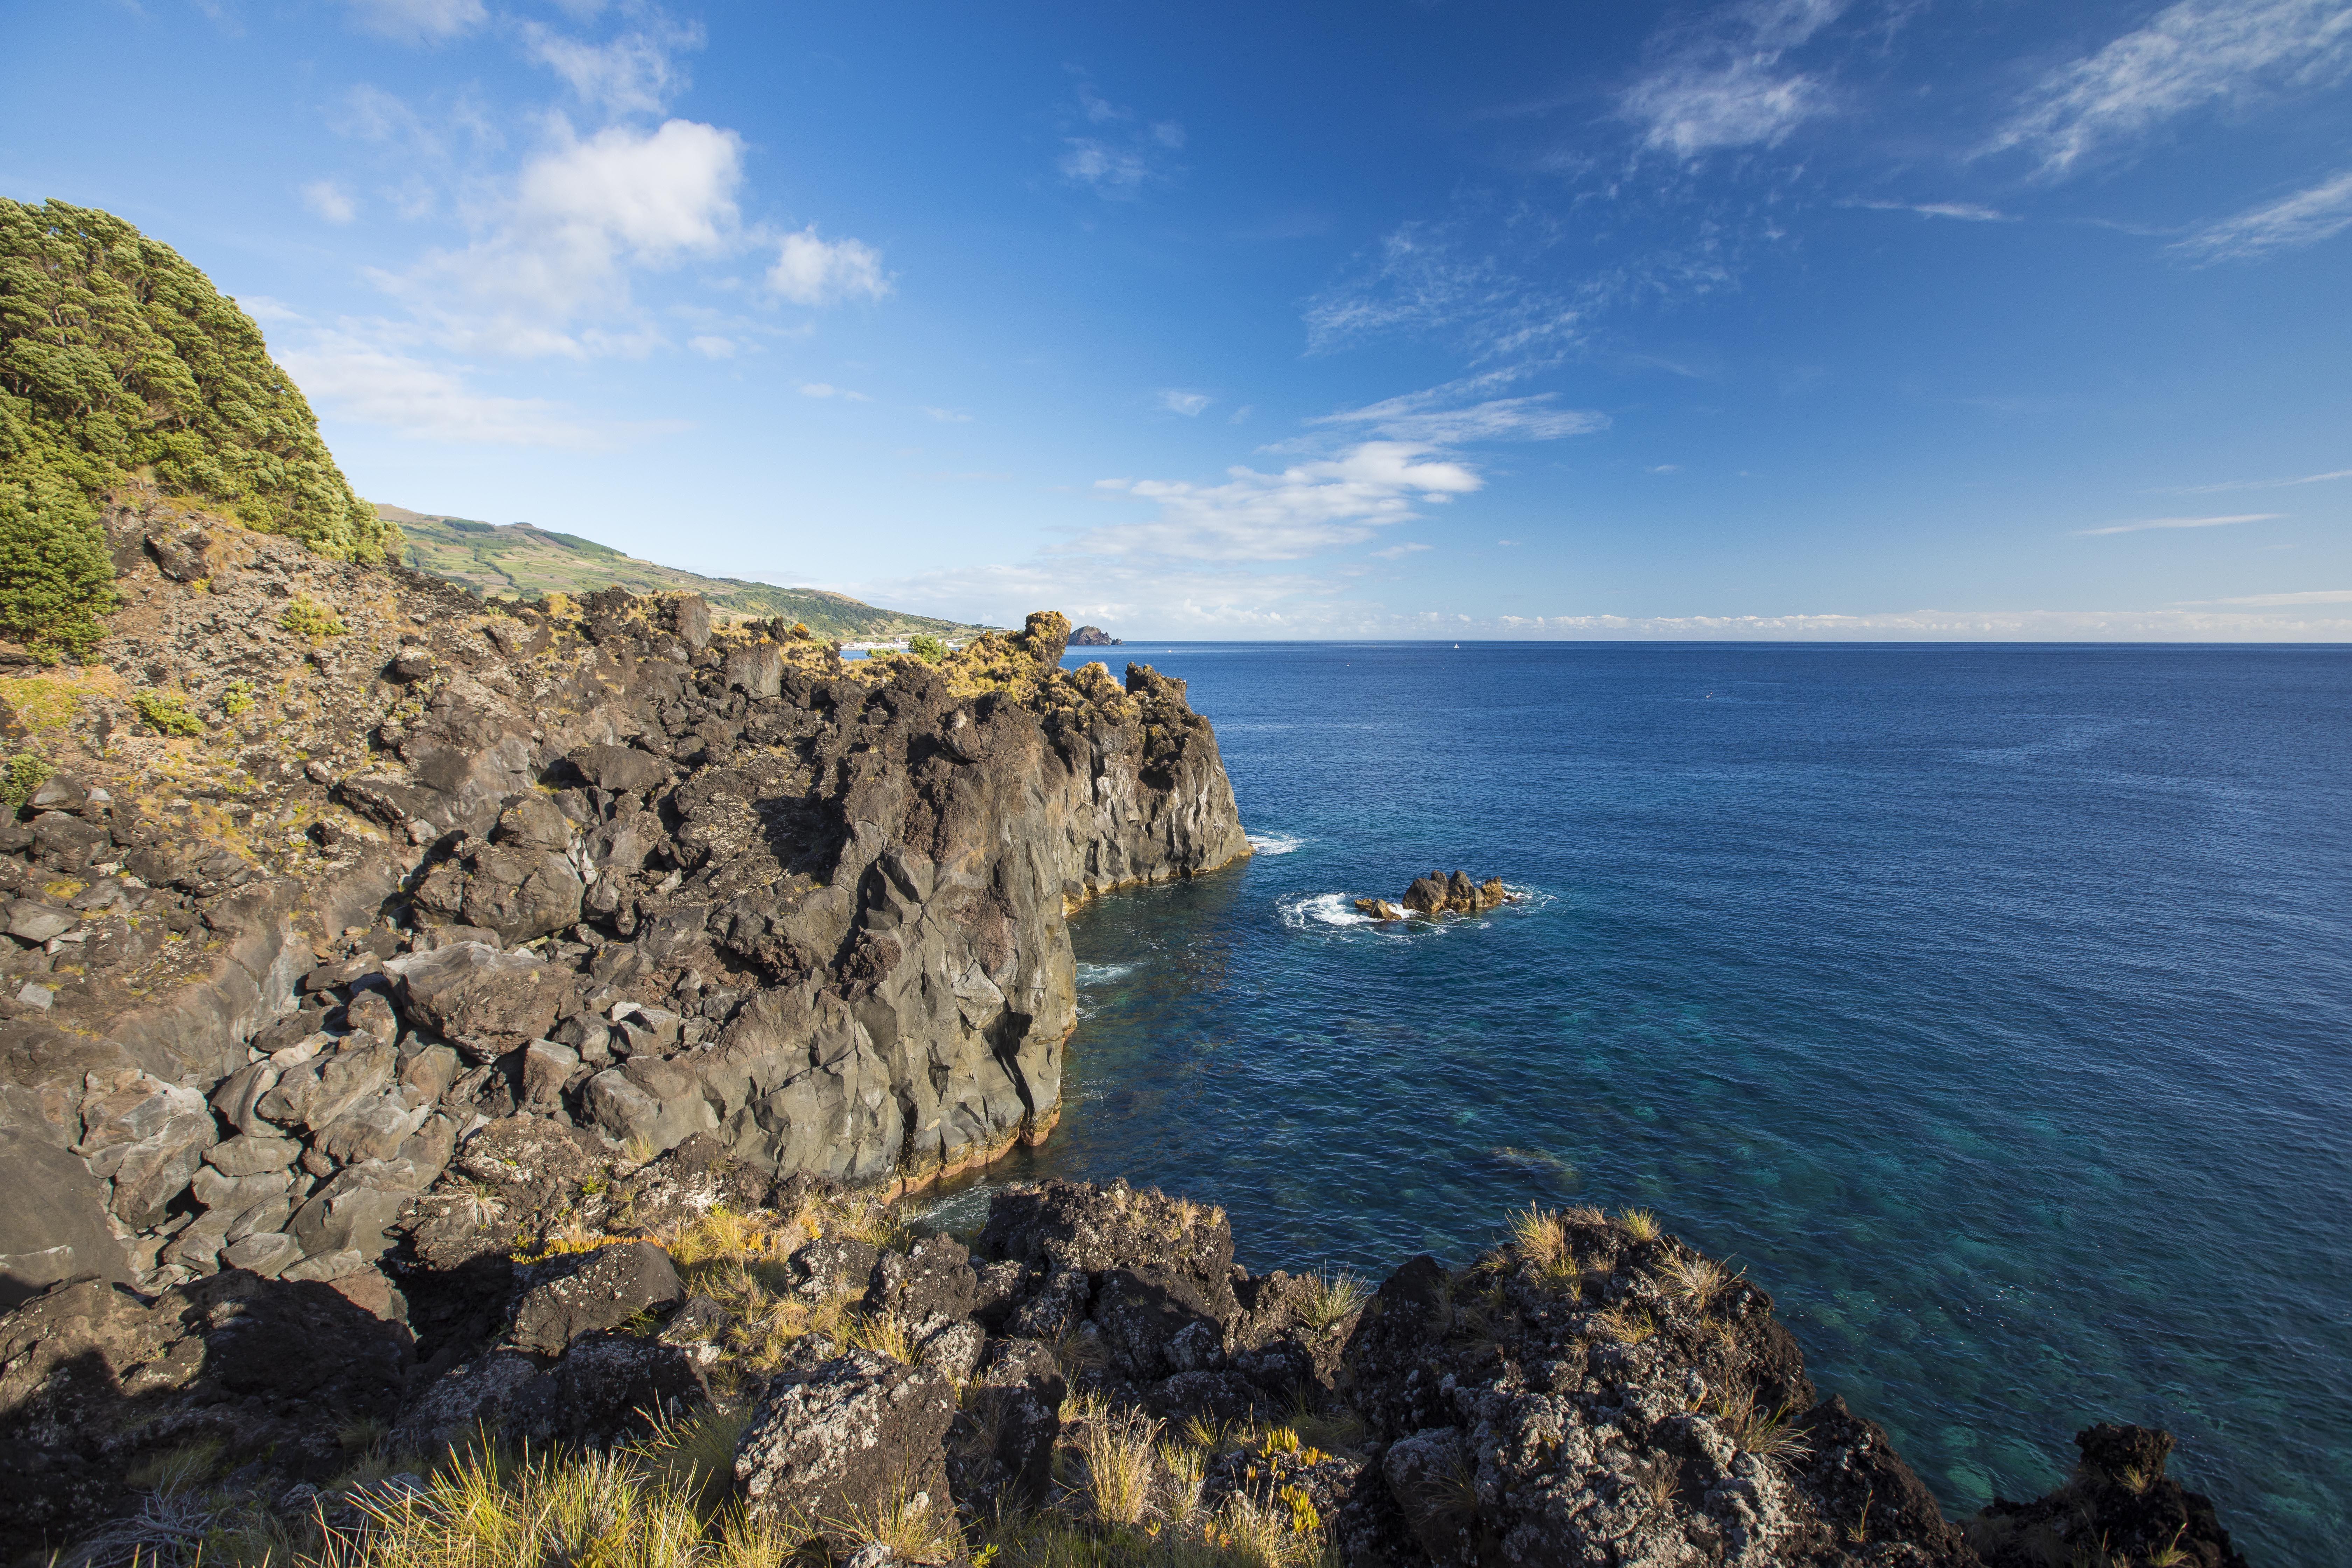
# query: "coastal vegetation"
{"type": "Point", "coordinates": [118, 357]}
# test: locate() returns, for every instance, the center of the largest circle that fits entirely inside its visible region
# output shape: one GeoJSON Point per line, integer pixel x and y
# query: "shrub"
{"type": "Point", "coordinates": [926, 648]}
{"type": "Point", "coordinates": [308, 618]}
{"type": "Point", "coordinates": [116, 355]}
{"type": "Point", "coordinates": [237, 698]}
{"type": "Point", "coordinates": [26, 773]}
{"type": "Point", "coordinates": [57, 583]}
{"type": "Point", "coordinates": [166, 713]}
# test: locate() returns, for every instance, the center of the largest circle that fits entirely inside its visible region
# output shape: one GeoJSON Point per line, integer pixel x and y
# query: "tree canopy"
{"type": "Point", "coordinates": [119, 357]}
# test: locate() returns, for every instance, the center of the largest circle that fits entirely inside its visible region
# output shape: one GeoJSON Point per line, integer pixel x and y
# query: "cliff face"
{"type": "Point", "coordinates": [337, 864]}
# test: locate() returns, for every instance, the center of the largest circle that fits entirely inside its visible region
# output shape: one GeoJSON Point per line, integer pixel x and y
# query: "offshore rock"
{"type": "Point", "coordinates": [1455, 895]}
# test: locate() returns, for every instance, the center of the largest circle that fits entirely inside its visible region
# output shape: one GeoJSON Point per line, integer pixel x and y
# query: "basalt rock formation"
{"type": "Point", "coordinates": [332, 865]}
{"type": "Point", "coordinates": [1094, 637]}
{"type": "Point", "coordinates": [1593, 1392]}
{"type": "Point", "coordinates": [1436, 895]}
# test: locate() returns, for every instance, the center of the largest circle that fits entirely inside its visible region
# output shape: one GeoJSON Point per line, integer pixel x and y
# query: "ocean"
{"type": "Point", "coordinates": [1991, 1006]}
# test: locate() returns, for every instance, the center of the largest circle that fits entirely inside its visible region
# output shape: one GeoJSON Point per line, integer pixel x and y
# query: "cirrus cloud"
{"type": "Point", "coordinates": [1306, 508]}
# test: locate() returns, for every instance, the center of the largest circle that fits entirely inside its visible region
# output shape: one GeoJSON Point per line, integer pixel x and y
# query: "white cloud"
{"type": "Point", "coordinates": [1664, 469]}
{"type": "Point", "coordinates": [949, 416]}
{"type": "Point", "coordinates": [2191, 55]}
{"type": "Point", "coordinates": [1190, 404]}
{"type": "Point", "coordinates": [419, 21]}
{"type": "Point", "coordinates": [2265, 484]}
{"type": "Point", "coordinates": [1727, 87]}
{"type": "Point", "coordinates": [826, 389]}
{"type": "Point", "coordinates": [1418, 280]}
{"type": "Point", "coordinates": [1241, 414]}
{"type": "Point", "coordinates": [1966, 212]}
{"type": "Point", "coordinates": [2312, 596]}
{"type": "Point", "coordinates": [1425, 416]}
{"type": "Point", "coordinates": [812, 271]}
{"type": "Point", "coordinates": [1308, 507]}
{"type": "Point", "coordinates": [636, 73]}
{"type": "Point", "coordinates": [583, 214]}
{"type": "Point", "coordinates": [711, 347]}
{"type": "Point", "coordinates": [2305, 217]}
{"type": "Point", "coordinates": [1111, 170]}
{"type": "Point", "coordinates": [350, 378]}
{"type": "Point", "coordinates": [2181, 523]}
{"type": "Point", "coordinates": [330, 201]}
{"type": "Point", "coordinates": [1399, 552]}
{"type": "Point", "coordinates": [1116, 162]}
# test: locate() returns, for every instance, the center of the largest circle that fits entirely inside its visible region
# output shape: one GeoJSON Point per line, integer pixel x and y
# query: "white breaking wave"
{"type": "Point", "coordinates": [1338, 911]}
{"type": "Point", "coordinates": [1274, 843]}
{"type": "Point", "coordinates": [1307, 912]}
{"type": "Point", "coordinates": [1103, 973]}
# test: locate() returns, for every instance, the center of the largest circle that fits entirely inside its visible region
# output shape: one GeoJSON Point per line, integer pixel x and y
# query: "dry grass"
{"type": "Point", "coordinates": [1117, 1453]}
{"type": "Point", "coordinates": [915, 1526]}
{"type": "Point", "coordinates": [1697, 1280]}
{"type": "Point", "coordinates": [1540, 1237]}
{"type": "Point", "coordinates": [1765, 1434]}
{"type": "Point", "coordinates": [1077, 1353]}
{"type": "Point", "coordinates": [1583, 1213]}
{"type": "Point", "coordinates": [881, 1333]}
{"type": "Point", "coordinates": [177, 1471]}
{"type": "Point", "coordinates": [1625, 1325]}
{"type": "Point", "coordinates": [1638, 1224]}
{"type": "Point", "coordinates": [1333, 1296]}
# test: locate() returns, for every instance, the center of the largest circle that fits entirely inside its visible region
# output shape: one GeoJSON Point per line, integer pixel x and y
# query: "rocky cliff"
{"type": "Point", "coordinates": [332, 863]}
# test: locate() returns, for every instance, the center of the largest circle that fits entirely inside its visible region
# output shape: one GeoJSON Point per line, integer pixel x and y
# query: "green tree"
{"type": "Point", "coordinates": [116, 357]}
{"type": "Point", "coordinates": [926, 648]}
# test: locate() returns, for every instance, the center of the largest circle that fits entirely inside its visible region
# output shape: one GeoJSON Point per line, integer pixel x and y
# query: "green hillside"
{"type": "Point", "coordinates": [517, 561]}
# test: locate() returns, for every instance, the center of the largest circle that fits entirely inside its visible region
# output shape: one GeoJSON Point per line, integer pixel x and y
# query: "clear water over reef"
{"type": "Point", "coordinates": [1994, 1006]}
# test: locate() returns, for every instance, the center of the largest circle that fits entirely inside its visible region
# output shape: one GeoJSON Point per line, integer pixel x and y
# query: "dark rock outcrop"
{"type": "Point", "coordinates": [1094, 637]}
{"type": "Point", "coordinates": [813, 912]}
{"type": "Point", "coordinates": [1437, 894]}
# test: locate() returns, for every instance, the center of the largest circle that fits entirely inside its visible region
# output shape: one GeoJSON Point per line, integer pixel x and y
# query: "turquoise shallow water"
{"type": "Point", "coordinates": [1994, 1006]}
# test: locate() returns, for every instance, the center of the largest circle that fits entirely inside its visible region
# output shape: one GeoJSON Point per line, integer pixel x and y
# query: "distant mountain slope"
{"type": "Point", "coordinates": [516, 561]}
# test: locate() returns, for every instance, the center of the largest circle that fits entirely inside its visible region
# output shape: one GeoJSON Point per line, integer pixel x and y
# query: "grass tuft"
{"type": "Point", "coordinates": [1697, 1280]}
{"type": "Point", "coordinates": [1639, 1225]}
{"type": "Point", "coordinates": [1333, 1296]}
{"type": "Point", "coordinates": [1765, 1434]}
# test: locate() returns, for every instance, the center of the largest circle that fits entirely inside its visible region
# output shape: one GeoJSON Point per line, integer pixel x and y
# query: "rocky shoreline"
{"type": "Point", "coordinates": [426, 1020]}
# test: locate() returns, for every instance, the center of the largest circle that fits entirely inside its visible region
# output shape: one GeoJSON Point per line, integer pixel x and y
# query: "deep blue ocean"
{"type": "Point", "coordinates": [1992, 1005]}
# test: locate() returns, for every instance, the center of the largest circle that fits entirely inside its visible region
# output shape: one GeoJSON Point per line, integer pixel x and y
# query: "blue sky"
{"type": "Point", "coordinates": [1783, 318]}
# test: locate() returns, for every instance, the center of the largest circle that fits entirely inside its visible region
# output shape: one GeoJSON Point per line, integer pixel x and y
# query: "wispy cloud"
{"type": "Point", "coordinates": [2181, 523]}
{"type": "Point", "coordinates": [352, 378]}
{"type": "Point", "coordinates": [2310, 596]}
{"type": "Point", "coordinates": [419, 21]}
{"type": "Point", "coordinates": [1306, 508]}
{"type": "Point", "coordinates": [813, 271]}
{"type": "Point", "coordinates": [637, 72]}
{"type": "Point", "coordinates": [1966, 212]}
{"type": "Point", "coordinates": [2305, 217]}
{"type": "Point", "coordinates": [1420, 278]}
{"type": "Point", "coordinates": [1727, 86]}
{"type": "Point", "coordinates": [1191, 404]}
{"type": "Point", "coordinates": [826, 389]}
{"type": "Point", "coordinates": [328, 200]}
{"type": "Point", "coordinates": [2265, 484]}
{"type": "Point", "coordinates": [2191, 55]}
{"type": "Point", "coordinates": [1121, 152]}
{"type": "Point", "coordinates": [949, 416]}
{"type": "Point", "coordinates": [1441, 418]}
{"type": "Point", "coordinates": [1399, 552]}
